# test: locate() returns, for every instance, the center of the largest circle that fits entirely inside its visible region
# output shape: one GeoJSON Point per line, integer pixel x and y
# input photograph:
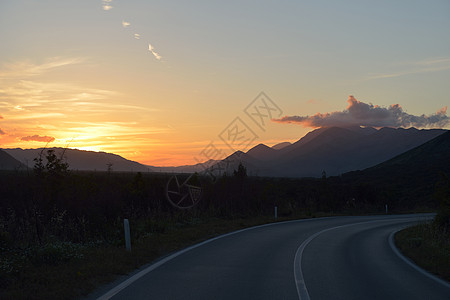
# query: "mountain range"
{"type": "Point", "coordinates": [7, 162]}
{"type": "Point", "coordinates": [410, 177]}
{"type": "Point", "coordinates": [79, 159]}
{"type": "Point", "coordinates": [334, 150]}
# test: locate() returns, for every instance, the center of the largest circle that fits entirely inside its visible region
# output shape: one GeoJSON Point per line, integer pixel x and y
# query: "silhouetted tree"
{"type": "Point", "coordinates": [241, 171]}
{"type": "Point", "coordinates": [109, 168]}
{"type": "Point", "coordinates": [54, 165]}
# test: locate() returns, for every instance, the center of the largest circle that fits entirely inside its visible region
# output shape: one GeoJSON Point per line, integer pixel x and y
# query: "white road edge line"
{"type": "Point", "coordinates": [302, 291]}
{"type": "Point", "coordinates": [412, 264]}
{"type": "Point", "coordinates": [111, 293]}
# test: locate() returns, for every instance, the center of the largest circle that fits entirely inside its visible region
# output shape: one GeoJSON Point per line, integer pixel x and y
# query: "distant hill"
{"type": "Point", "coordinates": [261, 152]}
{"type": "Point", "coordinates": [200, 167]}
{"type": "Point", "coordinates": [422, 163]}
{"type": "Point", "coordinates": [81, 160]}
{"type": "Point", "coordinates": [334, 150]}
{"type": "Point", "coordinates": [281, 145]}
{"type": "Point", "coordinates": [410, 175]}
{"type": "Point", "coordinates": [7, 162]}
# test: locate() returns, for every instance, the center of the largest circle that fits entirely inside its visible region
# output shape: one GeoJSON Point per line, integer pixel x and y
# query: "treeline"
{"type": "Point", "coordinates": [51, 203]}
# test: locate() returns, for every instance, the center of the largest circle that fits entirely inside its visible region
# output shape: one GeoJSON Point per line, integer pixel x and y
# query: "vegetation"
{"type": "Point", "coordinates": [428, 245]}
{"type": "Point", "coordinates": [63, 229]}
{"type": "Point", "coordinates": [98, 263]}
{"type": "Point", "coordinates": [442, 220]}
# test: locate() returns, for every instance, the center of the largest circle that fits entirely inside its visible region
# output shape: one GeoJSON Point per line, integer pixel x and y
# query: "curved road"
{"type": "Point", "coordinates": [326, 258]}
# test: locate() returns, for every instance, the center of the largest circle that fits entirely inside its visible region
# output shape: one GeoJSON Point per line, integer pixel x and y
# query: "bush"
{"type": "Point", "coordinates": [442, 194]}
{"type": "Point", "coordinates": [56, 253]}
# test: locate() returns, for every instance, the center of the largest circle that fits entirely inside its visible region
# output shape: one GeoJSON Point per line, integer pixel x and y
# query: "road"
{"type": "Point", "coordinates": [325, 258]}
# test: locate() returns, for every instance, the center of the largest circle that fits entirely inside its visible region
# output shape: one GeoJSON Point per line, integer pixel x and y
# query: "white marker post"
{"type": "Point", "coordinates": [126, 226]}
{"type": "Point", "coordinates": [276, 212]}
{"type": "Point", "coordinates": [386, 208]}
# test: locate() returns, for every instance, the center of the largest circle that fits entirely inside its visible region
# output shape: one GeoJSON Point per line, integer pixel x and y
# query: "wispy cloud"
{"type": "Point", "coordinates": [35, 109]}
{"type": "Point", "coordinates": [152, 50]}
{"type": "Point", "coordinates": [433, 61]}
{"type": "Point", "coordinates": [32, 99]}
{"type": "Point", "coordinates": [362, 114]}
{"type": "Point", "coordinates": [1, 131]}
{"type": "Point", "coordinates": [27, 95]}
{"type": "Point", "coordinates": [106, 5]}
{"type": "Point", "coordinates": [36, 116]}
{"type": "Point", "coordinates": [38, 138]}
{"type": "Point", "coordinates": [417, 67]}
{"type": "Point", "coordinates": [24, 69]}
{"type": "Point", "coordinates": [113, 128]}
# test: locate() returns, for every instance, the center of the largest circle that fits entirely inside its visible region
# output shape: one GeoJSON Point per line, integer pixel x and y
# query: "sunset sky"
{"type": "Point", "coordinates": [165, 82]}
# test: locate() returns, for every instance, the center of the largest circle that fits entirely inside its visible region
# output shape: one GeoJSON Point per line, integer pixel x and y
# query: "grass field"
{"type": "Point", "coordinates": [428, 246]}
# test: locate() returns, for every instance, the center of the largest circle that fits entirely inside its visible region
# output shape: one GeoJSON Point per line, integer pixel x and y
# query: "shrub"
{"type": "Point", "coordinates": [57, 252]}
{"type": "Point", "coordinates": [442, 194]}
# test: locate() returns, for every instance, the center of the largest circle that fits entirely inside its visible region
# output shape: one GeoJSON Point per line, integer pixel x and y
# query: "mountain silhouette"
{"type": "Point", "coordinates": [262, 152]}
{"type": "Point", "coordinates": [334, 150]}
{"type": "Point", "coordinates": [200, 167]}
{"type": "Point", "coordinates": [80, 159]}
{"type": "Point", "coordinates": [281, 145]}
{"type": "Point", "coordinates": [7, 162]}
{"type": "Point", "coordinates": [410, 175]}
{"type": "Point", "coordinates": [427, 159]}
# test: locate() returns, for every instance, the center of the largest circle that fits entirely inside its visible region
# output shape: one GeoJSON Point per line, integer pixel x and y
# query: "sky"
{"type": "Point", "coordinates": [170, 83]}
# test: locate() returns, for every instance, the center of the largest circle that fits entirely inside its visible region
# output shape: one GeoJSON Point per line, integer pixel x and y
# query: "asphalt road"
{"type": "Point", "coordinates": [326, 258]}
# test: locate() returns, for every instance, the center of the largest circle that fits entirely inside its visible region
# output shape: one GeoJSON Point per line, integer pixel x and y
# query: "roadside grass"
{"type": "Point", "coordinates": [73, 271]}
{"type": "Point", "coordinates": [101, 263]}
{"type": "Point", "coordinates": [428, 246]}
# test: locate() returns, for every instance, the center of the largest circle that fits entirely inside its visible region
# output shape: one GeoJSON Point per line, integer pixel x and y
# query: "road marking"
{"type": "Point", "coordinates": [302, 291]}
{"type": "Point", "coordinates": [114, 291]}
{"type": "Point", "coordinates": [412, 264]}
{"type": "Point", "coordinates": [297, 273]}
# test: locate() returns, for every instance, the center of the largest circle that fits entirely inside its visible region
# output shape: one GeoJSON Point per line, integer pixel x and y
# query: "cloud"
{"type": "Point", "coordinates": [106, 4]}
{"type": "Point", "coordinates": [38, 138]}
{"type": "Point", "coordinates": [417, 67]}
{"type": "Point", "coordinates": [362, 114]}
{"type": "Point", "coordinates": [23, 69]}
{"type": "Point", "coordinates": [155, 54]}
{"type": "Point", "coordinates": [137, 36]}
{"type": "Point", "coordinates": [1, 131]}
{"type": "Point", "coordinates": [125, 24]}
{"type": "Point", "coordinates": [28, 96]}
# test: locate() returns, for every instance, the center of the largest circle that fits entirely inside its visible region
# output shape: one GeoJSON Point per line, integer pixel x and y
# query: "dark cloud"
{"type": "Point", "coordinates": [362, 114]}
{"type": "Point", "coordinates": [38, 138]}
